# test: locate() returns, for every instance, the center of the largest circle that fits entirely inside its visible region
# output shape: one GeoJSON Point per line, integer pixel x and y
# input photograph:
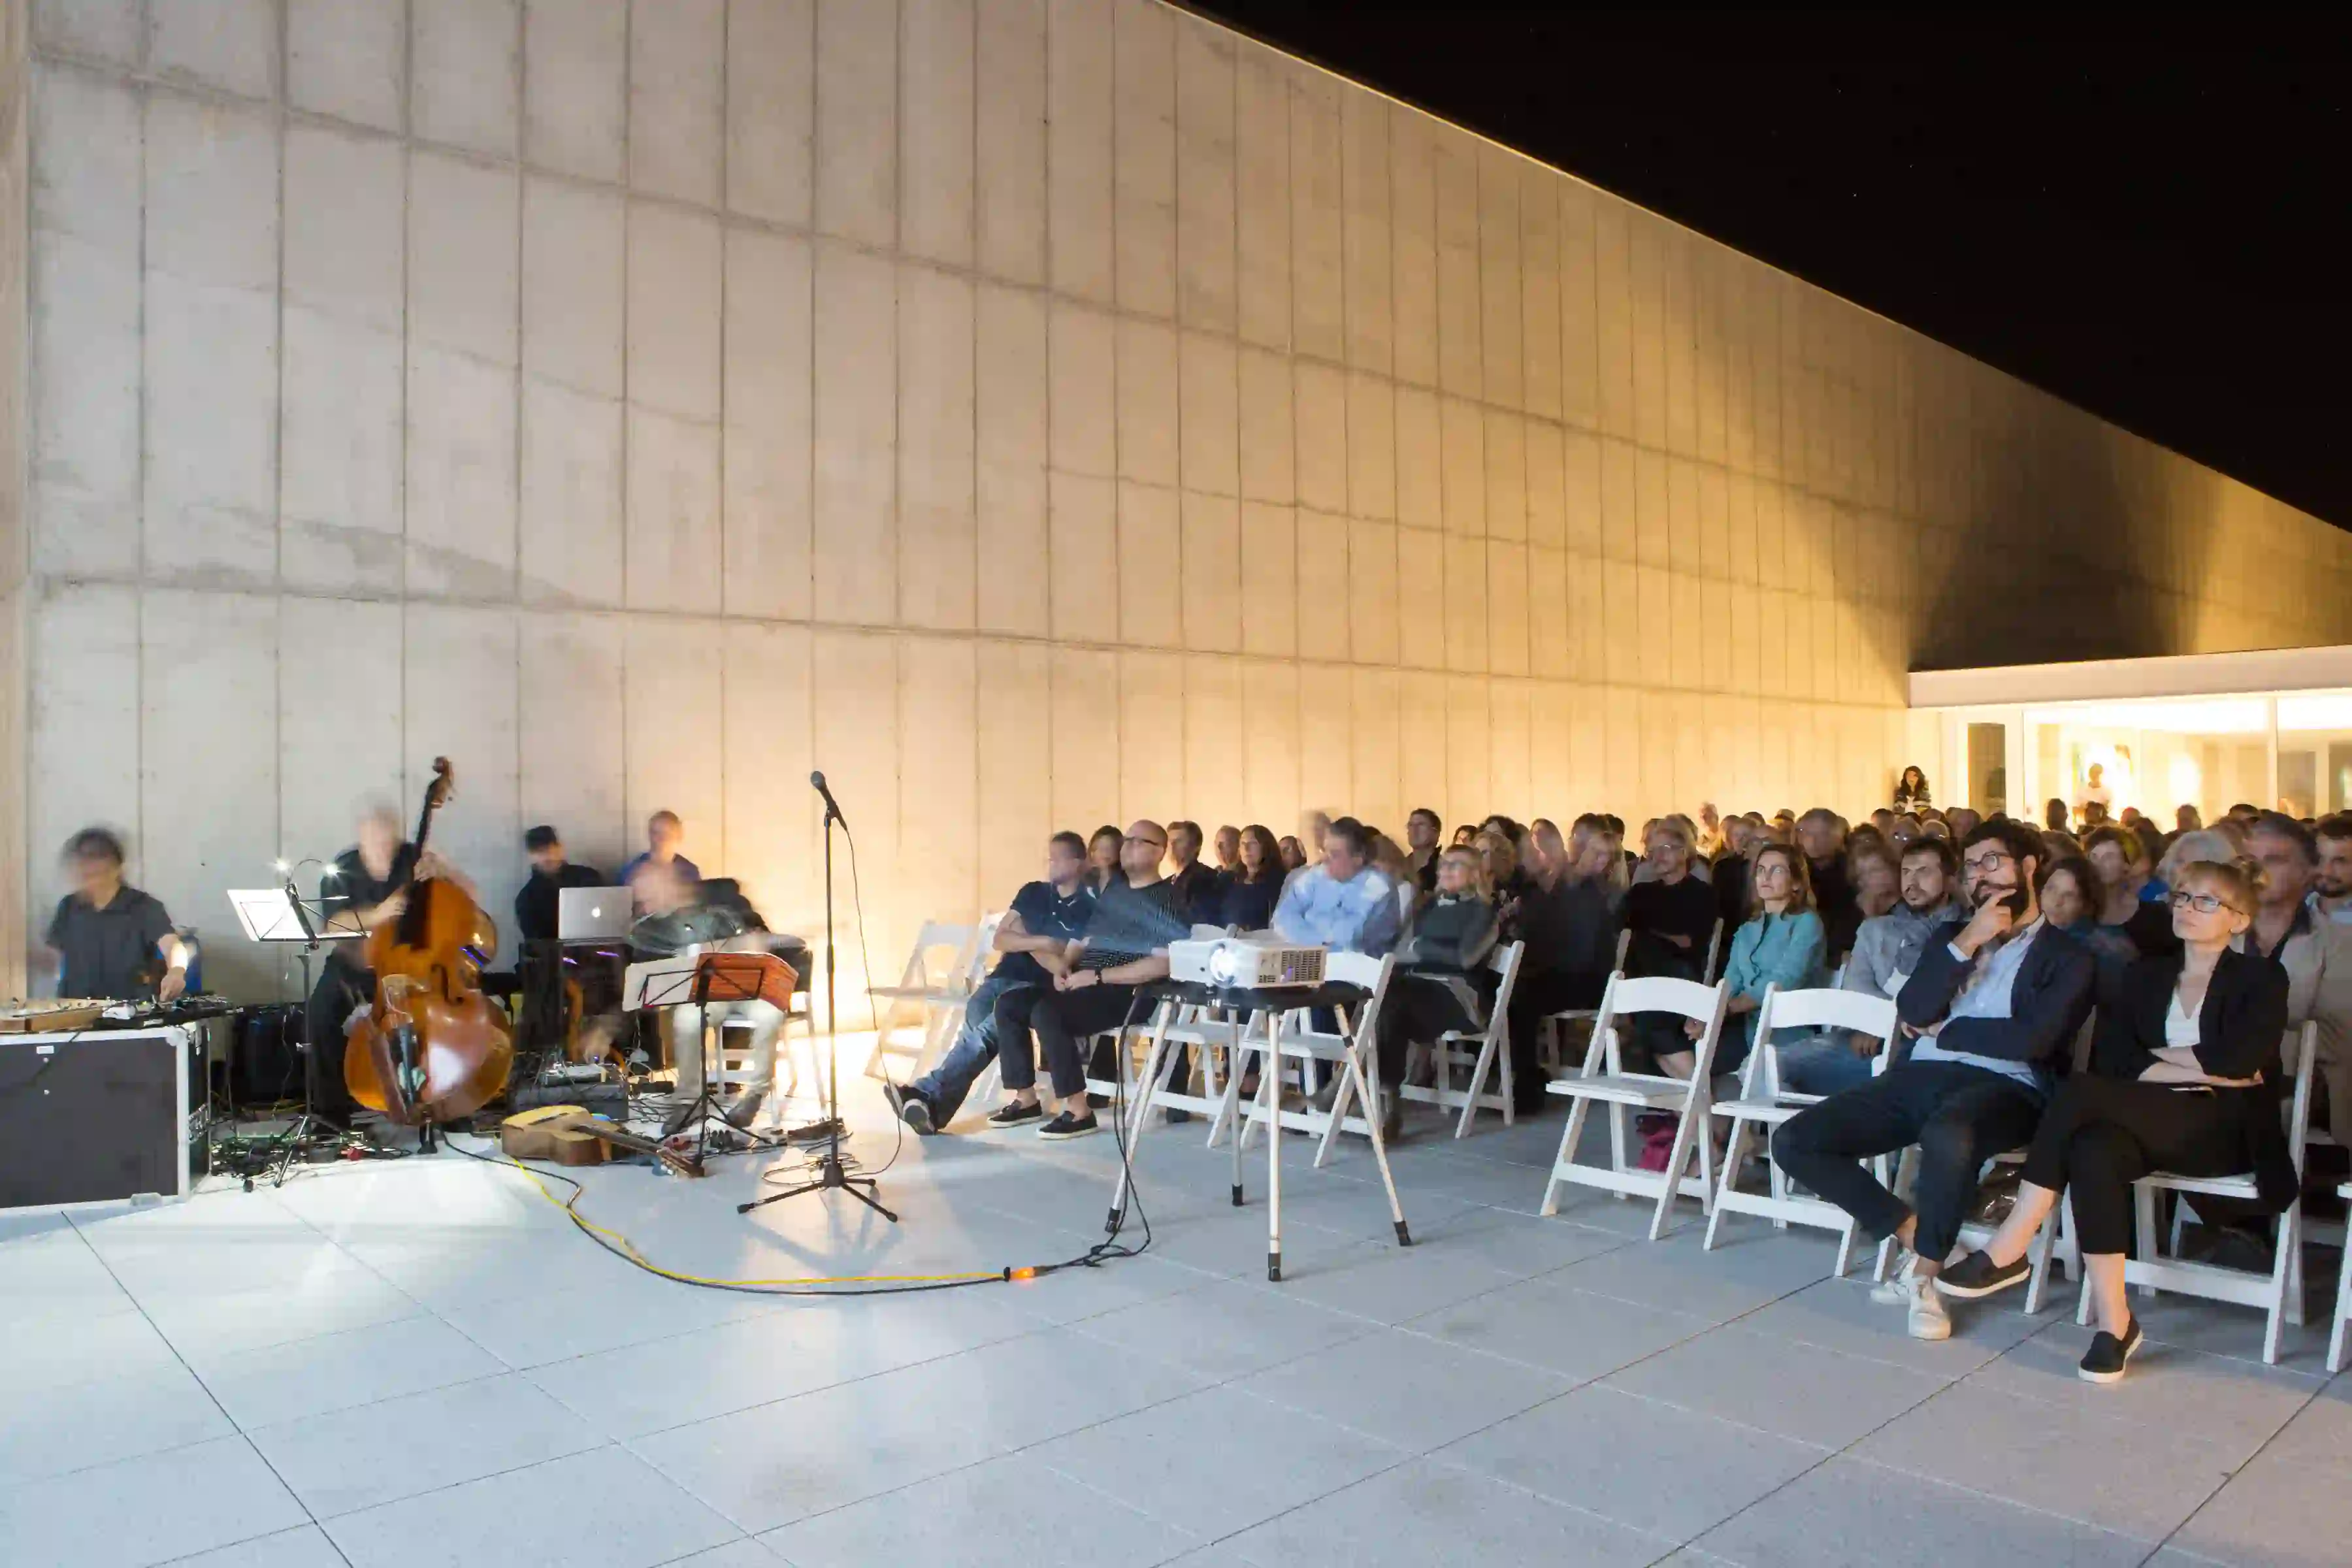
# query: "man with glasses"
{"type": "Point", "coordinates": [1343, 903]}
{"type": "Point", "coordinates": [1996, 998]}
{"type": "Point", "coordinates": [1126, 945]}
{"type": "Point", "coordinates": [2316, 952]}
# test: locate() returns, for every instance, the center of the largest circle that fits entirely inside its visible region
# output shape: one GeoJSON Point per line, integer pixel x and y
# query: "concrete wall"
{"type": "Point", "coordinates": [1035, 413]}
{"type": "Point", "coordinates": [13, 214]}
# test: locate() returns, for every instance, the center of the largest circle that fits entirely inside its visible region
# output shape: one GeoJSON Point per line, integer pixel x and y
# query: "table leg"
{"type": "Point", "coordinates": [1266, 1082]}
{"type": "Point", "coordinates": [1138, 1112]}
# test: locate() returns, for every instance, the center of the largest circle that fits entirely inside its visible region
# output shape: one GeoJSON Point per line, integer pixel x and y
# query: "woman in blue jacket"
{"type": "Point", "coordinates": [1782, 943]}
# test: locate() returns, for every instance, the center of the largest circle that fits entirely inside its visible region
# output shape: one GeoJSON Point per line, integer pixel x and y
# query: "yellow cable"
{"type": "Point", "coordinates": [642, 1261]}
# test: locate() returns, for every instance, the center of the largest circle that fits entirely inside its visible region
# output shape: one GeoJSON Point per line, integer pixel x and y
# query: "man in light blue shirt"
{"type": "Point", "coordinates": [1342, 904]}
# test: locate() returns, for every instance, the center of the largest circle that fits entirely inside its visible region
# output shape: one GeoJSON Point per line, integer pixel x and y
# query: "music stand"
{"type": "Point", "coordinates": [698, 980]}
{"type": "Point", "coordinates": [280, 915]}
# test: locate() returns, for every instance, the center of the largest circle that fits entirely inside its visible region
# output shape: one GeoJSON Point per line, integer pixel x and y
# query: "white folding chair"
{"type": "Point", "coordinates": [1713, 953]}
{"type": "Point", "coordinates": [1555, 1025]}
{"type": "Point", "coordinates": [2278, 1290]}
{"type": "Point", "coordinates": [947, 962]}
{"type": "Point", "coordinates": [1606, 1081]}
{"type": "Point", "coordinates": [1301, 1045]}
{"type": "Point", "coordinates": [1209, 1035]}
{"type": "Point", "coordinates": [1451, 1049]}
{"type": "Point", "coordinates": [2343, 1300]}
{"type": "Point", "coordinates": [1765, 1103]}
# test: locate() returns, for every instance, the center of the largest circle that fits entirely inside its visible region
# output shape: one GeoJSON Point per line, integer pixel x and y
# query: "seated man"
{"type": "Point", "coordinates": [683, 917]}
{"type": "Point", "coordinates": [2316, 952]}
{"type": "Point", "coordinates": [1045, 918]}
{"type": "Point", "coordinates": [551, 871]}
{"type": "Point", "coordinates": [1886, 950]}
{"type": "Point", "coordinates": [111, 941]}
{"type": "Point", "coordinates": [1126, 945]}
{"type": "Point", "coordinates": [1342, 903]}
{"type": "Point", "coordinates": [1995, 1000]}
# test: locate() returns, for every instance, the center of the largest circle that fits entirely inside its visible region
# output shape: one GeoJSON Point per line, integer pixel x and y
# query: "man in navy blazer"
{"type": "Point", "coordinates": [1994, 1004]}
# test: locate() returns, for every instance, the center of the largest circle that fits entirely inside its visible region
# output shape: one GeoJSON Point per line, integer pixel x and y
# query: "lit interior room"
{"type": "Point", "coordinates": [1079, 783]}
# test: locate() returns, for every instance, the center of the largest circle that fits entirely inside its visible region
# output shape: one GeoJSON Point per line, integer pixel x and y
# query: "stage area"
{"type": "Point", "coordinates": [421, 1362]}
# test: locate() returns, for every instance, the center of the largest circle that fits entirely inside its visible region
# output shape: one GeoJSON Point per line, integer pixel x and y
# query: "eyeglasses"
{"type": "Point", "coordinates": [1977, 864]}
{"type": "Point", "coordinates": [2204, 903]}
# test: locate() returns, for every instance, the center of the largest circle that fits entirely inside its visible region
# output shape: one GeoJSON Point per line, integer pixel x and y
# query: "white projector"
{"type": "Point", "coordinates": [1239, 963]}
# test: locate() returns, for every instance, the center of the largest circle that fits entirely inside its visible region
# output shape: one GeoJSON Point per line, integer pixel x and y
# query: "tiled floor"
{"type": "Point", "coordinates": [421, 1362]}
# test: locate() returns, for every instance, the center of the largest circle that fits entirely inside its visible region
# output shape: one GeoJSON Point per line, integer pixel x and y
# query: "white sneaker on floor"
{"type": "Point", "coordinates": [1928, 1318]}
{"type": "Point", "coordinates": [1896, 1289]}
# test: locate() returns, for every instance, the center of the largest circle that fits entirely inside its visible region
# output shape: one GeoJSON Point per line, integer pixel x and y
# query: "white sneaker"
{"type": "Point", "coordinates": [1896, 1289]}
{"type": "Point", "coordinates": [1928, 1318]}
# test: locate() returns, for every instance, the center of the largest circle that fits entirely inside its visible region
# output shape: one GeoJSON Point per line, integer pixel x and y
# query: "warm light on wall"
{"type": "Point", "coordinates": [2211, 716]}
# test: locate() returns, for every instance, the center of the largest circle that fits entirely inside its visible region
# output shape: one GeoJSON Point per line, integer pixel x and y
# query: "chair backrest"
{"type": "Point", "coordinates": [940, 937]}
{"type": "Point", "coordinates": [1714, 953]}
{"type": "Point", "coordinates": [1624, 946]}
{"type": "Point", "coordinates": [1703, 1004]}
{"type": "Point", "coordinates": [2301, 1047]}
{"type": "Point", "coordinates": [1504, 962]}
{"type": "Point", "coordinates": [1356, 969]}
{"type": "Point", "coordinates": [984, 948]}
{"type": "Point", "coordinates": [1848, 1011]}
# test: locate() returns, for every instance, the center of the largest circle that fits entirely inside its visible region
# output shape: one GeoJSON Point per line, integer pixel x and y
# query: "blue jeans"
{"type": "Point", "coordinates": [1824, 1064]}
{"type": "Point", "coordinates": [944, 1087]}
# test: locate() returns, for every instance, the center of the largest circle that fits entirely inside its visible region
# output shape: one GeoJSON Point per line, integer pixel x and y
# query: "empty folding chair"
{"type": "Point", "coordinates": [2278, 1290]}
{"type": "Point", "coordinates": [946, 964]}
{"type": "Point", "coordinates": [1606, 1082]}
{"type": "Point", "coordinates": [1764, 1103]}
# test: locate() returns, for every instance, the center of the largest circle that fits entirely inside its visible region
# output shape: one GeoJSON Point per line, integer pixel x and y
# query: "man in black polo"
{"type": "Point", "coordinates": [111, 940]}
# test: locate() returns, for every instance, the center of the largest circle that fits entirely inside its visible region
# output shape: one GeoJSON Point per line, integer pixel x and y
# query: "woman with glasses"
{"type": "Point", "coordinates": [2185, 1078]}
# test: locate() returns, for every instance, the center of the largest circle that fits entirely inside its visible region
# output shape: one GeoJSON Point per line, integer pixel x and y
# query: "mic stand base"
{"type": "Point", "coordinates": [831, 1177]}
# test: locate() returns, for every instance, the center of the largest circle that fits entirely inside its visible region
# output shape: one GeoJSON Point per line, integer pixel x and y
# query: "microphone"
{"type": "Point", "coordinates": [816, 780]}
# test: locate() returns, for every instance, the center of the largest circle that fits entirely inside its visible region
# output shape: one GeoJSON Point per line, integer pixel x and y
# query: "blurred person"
{"type": "Point", "coordinates": [665, 832]}
{"type": "Point", "coordinates": [1709, 843]}
{"type": "Point", "coordinates": [2054, 815]}
{"type": "Point", "coordinates": [2187, 819]}
{"type": "Point", "coordinates": [1464, 836]}
{"type": "Point", "coordinates": [1742, 835]}
{"type": "Point", "coordinates": [536, 904]}
{"type": "Point", "coordinates": [2071, 895]}
{"type": "Point", "coordinates": [1903, 830]}
{"type": "Point", "coordinates": [1229, 849]}
{"type": "Point", "coordinates": [1883, 819]}
{"type": "Point", "coordinates": [1673, 919]}
{"type": "Point", "coordinates": [2120, 857]}
{"type": "Point", "coordinates": [109, 940]}
{"type": "Point", "coordinates": [1962, 820]}
{"type": "Point", "coordinates": [1821, 839]}
{"type": "Point", "coordinates": [2094, 787]}
{"type": "Point", "coordinates": [1567, 919]}
{"type": "Point", "coordinates": [2315, 954]}
{"type": "Point", "coordinates": [1506, 878]}
{"type": "Point", "coordinates": [1875, 867]}
{"type": "Point", "coordinates": [1436, 984]}
{"type": "Point", "coordinates": [1293, 854]}
{"type": "Point", "coordinates": [1251, 892]}
{"type": "Point", "coordinates": [1103, 856]}
{"type": "Point", "coordinates": [1344, 904]}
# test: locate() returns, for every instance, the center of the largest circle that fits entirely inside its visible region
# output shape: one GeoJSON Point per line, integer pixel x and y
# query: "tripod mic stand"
{"type": "Point", "coordinates": [831, 1176]}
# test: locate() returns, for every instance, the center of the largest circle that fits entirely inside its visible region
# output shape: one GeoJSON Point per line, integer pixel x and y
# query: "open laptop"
{"type": "Point", "coordinates": [593, 914]}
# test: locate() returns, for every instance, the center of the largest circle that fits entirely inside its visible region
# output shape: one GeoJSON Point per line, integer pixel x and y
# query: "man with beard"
{"type": "Point", "coordinates": [1996, 999]}
{"type": "Point", "coordinates": [1886, 952]}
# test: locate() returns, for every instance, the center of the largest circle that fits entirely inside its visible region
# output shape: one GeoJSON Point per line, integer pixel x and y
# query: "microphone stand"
{"type": "Point", "coordinates": [301, 1128]}
{"type": "Point", "coordinates": [831, 1175]}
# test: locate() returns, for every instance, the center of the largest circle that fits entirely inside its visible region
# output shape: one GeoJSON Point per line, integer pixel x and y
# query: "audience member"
{"type": "Point", "coordinates": [2094, 787]}
{"type": "Point", "coordinates": [1032, 944]}
{"type": "Point", "coordinates": [1911, 790]}
{"type": "Point", "coordinates": [2331, 882]}
{"type": "Point", "coordinates": [1126, 945]}
{"type": "Point", "coordinates": [1464, 836]}
{"type": "Point", "coordinates": [1780, 943]}
{"type": "Point", "coordinates": [1421, 827]}
{"type": "Point", "coordinates": [2184, 1077]}
{"type": "Point", "coordinates": [1251, 892]}
{"type": "Point", "coordinates": [1996, 1000]}
{"type": "Point", "coordinates": [1390, 859]}
{"type": "Point", "coordinates": [1293, 853]}
{"type": "Point", "coordinates": [2315, 954]}
{"type": "Point", "coordinates": [1823, 838]}
{"type": "Point", "coordinates": [1344, 903]}
{"type": "Point", "coordinates": [1886, 952]}
{"type": "Point", "coordinates": [1229, 849]}
{"type": "Point", "coordinates": [1103, 856]}
{"type": "Point", "coordinates": [1499, 858]}
{"type": "Point", "coordinates": [2120, 857]}
{"type": "Point", "coordinates": [2185, 819]}
{"type": "Point", "coordinates": [1709, 842]}
{"type": "Point", "coordinates": [1873, 866]}
{"type": "Point", "coordinates": [1905, 828]}
{"type": "Point", "coordinates": [1199, 890]}
{"type": "Point", "coordinates": [2071, 896]}
{"type": "Point", "coordinates": [1435, 986]}
{"type": "Point", "coordinates": [1741, 837]}
{"type": "Point", "coordinates": [1673, 919]}
{"type": "Point", "coordinates": [536, 905]}
{"type": "Point", "coordinates": [1962, 820]}
{"type": "Point", "coordinates": [1566, 922]}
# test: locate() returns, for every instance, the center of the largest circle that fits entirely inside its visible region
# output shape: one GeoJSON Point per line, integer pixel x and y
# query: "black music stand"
{"type": "Point", "coordinates": [716, 977]}
{"type": "Point", "coordinates": [280, 914]}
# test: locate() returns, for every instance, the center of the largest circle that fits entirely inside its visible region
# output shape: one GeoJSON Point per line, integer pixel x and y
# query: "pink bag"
{"type": "Point", "coordinates": [1658, 1148]}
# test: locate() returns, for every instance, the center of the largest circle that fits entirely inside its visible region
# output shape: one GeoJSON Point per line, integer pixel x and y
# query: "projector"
{"type": "Point", "coordinates": [1236, 962]}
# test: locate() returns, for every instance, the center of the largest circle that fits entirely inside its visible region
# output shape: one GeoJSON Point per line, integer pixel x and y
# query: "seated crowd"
{"type": "Point", "coordinates": [1997, 941]}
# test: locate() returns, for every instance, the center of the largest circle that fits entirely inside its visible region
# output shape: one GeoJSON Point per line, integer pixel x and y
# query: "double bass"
{"type": "Point", "coordinates": [431, 1048]}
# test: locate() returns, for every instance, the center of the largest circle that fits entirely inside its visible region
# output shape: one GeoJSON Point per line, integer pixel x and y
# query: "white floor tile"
{"type": "Point", "coordinates": [1423, 1513]}
{"type": "Point", "coordinates": [339, 1372]}
{"type": "Point", "coordinates": [2218, 1397]}
{"type": "Point", "coordinates": [307, 1547]}
{"type": "Point", "coordinates": [102, 1422]}
{"type": "Point", "coordinates": [1574, 1333]}
{"type": "Point", "coordinates": [1218, 1461]}
{"type": "Point", "coordinates": [2276, 1513]}
{"type": "Point", "coordinates": [148, 1509]}
{"type": "Point", "coordinates": [344, 1460]}
{"type": "Point", "coordinates": [1006, 1513]}
{"type": "Point", "coordinates": [1407, 1389]}
{"type": "Point", "coordinates": [597, 1510]}
{"type": "Point", "coordinates": [1224, 1328]}
{"type": "Point", "coordinates": [62, 1348]}
{"type": "Point", "coordinates": [1777, 1385]}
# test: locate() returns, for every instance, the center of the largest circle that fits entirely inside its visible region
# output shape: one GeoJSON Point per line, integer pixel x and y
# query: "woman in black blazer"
{"type": "Point", "coordinates": [2184, 1077]}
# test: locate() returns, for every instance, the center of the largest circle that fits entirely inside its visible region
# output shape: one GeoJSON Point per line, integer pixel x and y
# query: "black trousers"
{"type": "Point", "coordinates": [1418, 1007]}
{"type": "Point", "coordinates": [1536, 994]}
{"type": "Point", "coordinates": [340, 989]}
{"type": "Point", "coordinates": [2102, 1135]}
{"type": "Point", "coordinates": [1063, 1019]}
{"type": "Point", "coordinates": [1961, 1115]}
{"type": "Point", "coordinates": [1016, 1054]}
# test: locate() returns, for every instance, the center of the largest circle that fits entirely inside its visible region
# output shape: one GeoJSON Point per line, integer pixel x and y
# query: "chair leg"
{"type": "Point", "coordinates": [1730, 1166]}
{"type": "Point", "coordinates": [2343, 1313]}
{"type": "Point", "coordinates": [2285, 1282]}
{"type": "Point", "coordinates": [2294, 1288]}
{"type": "Point", "coordinates": [1676, 1159]}
{"type": "Point", "coordinates": [1566, 1155]}
{"type": "Point", "coordinates": [2045, 1243]}
{"type": "Point", "coordinates": [2144, 1215]}
{"type": "Point", "coordinates": [1845, 1249]}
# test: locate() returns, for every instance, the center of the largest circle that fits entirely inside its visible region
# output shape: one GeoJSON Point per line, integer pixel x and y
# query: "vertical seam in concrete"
{"type": "Point", "coordinates": [621, 600]}
{"type": "Point", "coordinates": [408, 224]}
{"type": "Point", "coordinates": [515, 609]}
{"type": "Point", "coordinates": [725, 81]}
{"type": "Point", "coordinates": [278, 461]}
{"type": "Point", "coordinates": [972, 824]}
{"type": "Point", "coordinates": [139, 586]}
{"type": "Point", "coordinates": [897, 326]}
{"type": "Point", "coordinates": [1046, 76]}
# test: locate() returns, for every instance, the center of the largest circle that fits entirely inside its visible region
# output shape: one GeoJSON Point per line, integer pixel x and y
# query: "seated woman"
{"type": "Point", "coordinates": [1781, 943]}
{"type": "Point", "coordinates": [1435, 986]}
{"type": "Point", "coordinates": [1253, 889]}
{"type": "Point", "coordinates": [2071, 895]}
{"type": "Point", "coordinates": [1102, 859]}
{"type": "Point", "coordinates": [1672, 917]}
{"type": "Point", "coordinates": [2184, 1077]}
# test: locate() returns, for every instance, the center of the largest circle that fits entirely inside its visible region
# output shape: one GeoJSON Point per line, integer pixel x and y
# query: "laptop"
{"type": "Point", "coordinates": [593, 914]}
